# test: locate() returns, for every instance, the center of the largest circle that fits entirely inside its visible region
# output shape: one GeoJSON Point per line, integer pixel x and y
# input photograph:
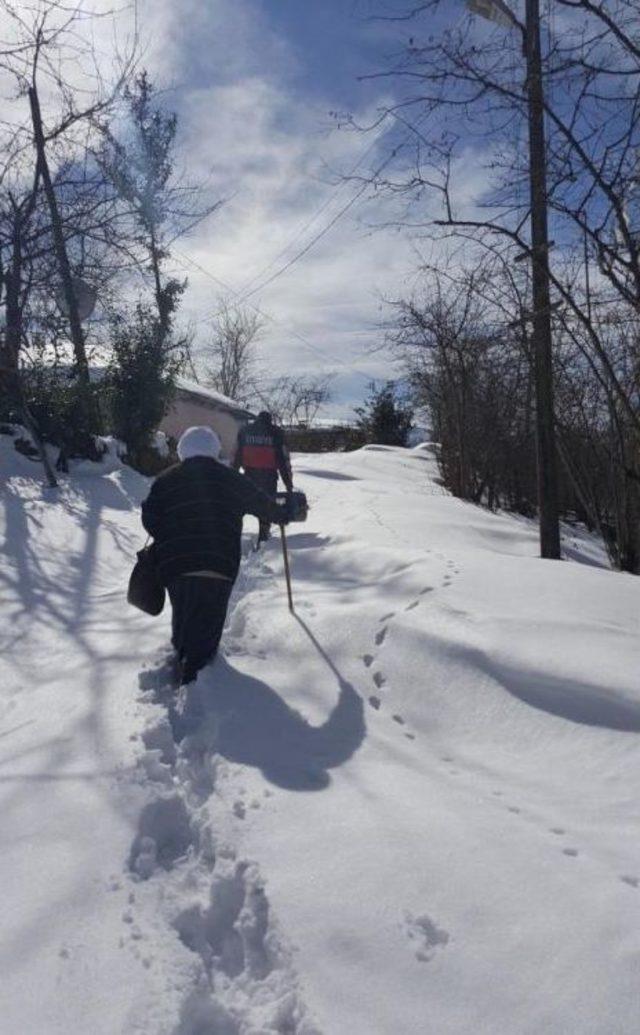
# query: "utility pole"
{"type": "Point", "coordinates": [542, 343]}
{"type": "Point", "coordinates": [499, 12]}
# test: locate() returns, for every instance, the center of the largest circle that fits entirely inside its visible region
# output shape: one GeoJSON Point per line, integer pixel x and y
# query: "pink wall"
{"type": "Point", "coordinates": [185, 413]}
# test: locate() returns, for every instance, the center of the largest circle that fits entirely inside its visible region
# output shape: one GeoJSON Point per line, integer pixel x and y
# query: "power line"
{"type": "Point", "coordinates": [274, 320]}
{"type": "Point", "coordinates": [244, 294]}
{"type": "Point", "coordinates": [325, 230]}
{"type": "Point", "coordinates": [303, 229]}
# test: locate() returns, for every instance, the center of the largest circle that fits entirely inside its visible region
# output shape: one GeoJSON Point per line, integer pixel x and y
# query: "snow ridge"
{"type": "Point", "coordinates": [243, 980]}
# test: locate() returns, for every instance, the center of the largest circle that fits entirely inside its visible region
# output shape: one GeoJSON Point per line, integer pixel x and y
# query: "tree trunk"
{"type": "Point", "coordinates": [9, 357]}
{"type": "Point", "coordinates": [89, 410]}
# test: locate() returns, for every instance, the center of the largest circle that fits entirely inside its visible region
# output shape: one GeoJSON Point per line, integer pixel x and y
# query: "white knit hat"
{"type": "Point", "coordinates": [199, 441]}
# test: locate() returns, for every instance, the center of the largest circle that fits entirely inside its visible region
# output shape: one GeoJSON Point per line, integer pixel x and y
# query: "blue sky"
{"type": "Point", "coordinates": [335, 42]}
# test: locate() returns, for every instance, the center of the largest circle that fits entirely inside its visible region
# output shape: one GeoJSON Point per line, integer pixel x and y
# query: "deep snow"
{"type": "Point", "coordinates": [411, 807]}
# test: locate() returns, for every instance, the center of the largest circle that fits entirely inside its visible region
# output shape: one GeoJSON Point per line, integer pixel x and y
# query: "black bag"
{"type": "Point", "coordinates": [296, 506]}
{"type": "Point", "coordinates": [145, 591]}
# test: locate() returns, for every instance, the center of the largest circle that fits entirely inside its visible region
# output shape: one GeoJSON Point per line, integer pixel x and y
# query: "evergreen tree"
{"type": "Point", "coordinates": [385, 418]}
{"type": "Point", "coordinates": [140, 379]}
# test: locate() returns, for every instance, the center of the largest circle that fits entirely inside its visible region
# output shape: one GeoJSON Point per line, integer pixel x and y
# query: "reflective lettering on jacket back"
{"type": "Point", "coordinates": [259, 451]}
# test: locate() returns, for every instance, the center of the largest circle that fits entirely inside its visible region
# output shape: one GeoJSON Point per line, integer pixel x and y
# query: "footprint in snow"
{"type": "Point", "coordinates": [398, 719]}
{"type": "Point", "coordinates": [387, 618]}
{"type": "Point", "coordinates": [425, 935]}
{"type": "Point", "coordinates": [427, 589]}
{"type": "Point", "coordinates": [633, 882]}
{"type": "Point", "coordinates": [411, 606]}
{"type": "Point", "coordinates": [374, 702]}
{"type": "Point", "coordinates": [379, 679]}
{"type": "Point", "coordinates": [570, 851]}
{"type": "Point", "coordinates": [380, 636]}
{"type": "Point", "coordinates": [557, 830]}
{"type": "Point", "coordinates": [368, 659]}
{"type": "Point", "coordinates": [514, 809]}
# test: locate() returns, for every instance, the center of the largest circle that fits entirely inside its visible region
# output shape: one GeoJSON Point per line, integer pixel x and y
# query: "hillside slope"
{"type": "Point", "coordinates": [411, 807]}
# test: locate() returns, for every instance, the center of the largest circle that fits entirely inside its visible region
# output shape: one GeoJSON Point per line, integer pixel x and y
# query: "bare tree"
{"type": "Point", "coordinates": [46, 35]}
{"type": "Point", "coordinates": [295, 401]}
{"type": "Point", "coordinates": [48, 44]}
{"type": "Point", "coordinates": [232, 356]}
{"type": "Point", "coordinates": [464, 97]}
{"type": "Point", "coordinates": [13, 292]}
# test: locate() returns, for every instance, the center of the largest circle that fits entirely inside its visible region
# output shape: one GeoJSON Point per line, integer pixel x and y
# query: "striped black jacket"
{"type": "Point", "coordinates": [194, 513]}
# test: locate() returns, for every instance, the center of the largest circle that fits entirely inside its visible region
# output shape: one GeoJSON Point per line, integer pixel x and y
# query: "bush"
{"type": "Point", "coordinates": [57, 404]}
{"type": "Point", "coordinates": [338, 439]}
{"type": "Point", "coordinates": [140, 378]}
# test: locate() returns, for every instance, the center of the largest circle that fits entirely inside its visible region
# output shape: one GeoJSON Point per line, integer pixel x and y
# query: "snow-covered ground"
{"type": "Point", "coordinates": [411, 809]}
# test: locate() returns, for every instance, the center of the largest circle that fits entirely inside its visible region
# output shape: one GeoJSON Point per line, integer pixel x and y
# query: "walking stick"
{"type": "Point", "coordinates": [285, 557]}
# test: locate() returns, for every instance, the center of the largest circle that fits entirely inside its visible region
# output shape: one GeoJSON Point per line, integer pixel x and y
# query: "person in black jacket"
{"type": "Point", "coordinates": [262, 453]}
{"type": "Point", "coordinates": [194, 513]}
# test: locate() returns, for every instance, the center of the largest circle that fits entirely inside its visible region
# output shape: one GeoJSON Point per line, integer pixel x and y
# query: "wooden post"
{"type": "Point", "coordinates": [287, 573]}
{"type": "Point", "coordinates": [541, 337]}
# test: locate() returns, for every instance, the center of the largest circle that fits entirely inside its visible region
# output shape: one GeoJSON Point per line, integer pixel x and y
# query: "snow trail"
{"type": "Point", "coordinates": [243, 979]}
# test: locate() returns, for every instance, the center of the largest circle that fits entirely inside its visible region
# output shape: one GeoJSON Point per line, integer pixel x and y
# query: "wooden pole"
{"type": "Point", "coordinates": [542, 344]}
{"type": "Point", "coordinates": [287, 573]}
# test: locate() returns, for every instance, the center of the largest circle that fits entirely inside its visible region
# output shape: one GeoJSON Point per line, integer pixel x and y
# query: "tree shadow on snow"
{"type": "Point", "coordinates": [335, 476]}
{"type": "Point", "coordinates": [307, 541]}
{"type": "Point", "coordinates": [43, 584]}
{"type": "Point", "coordinates": [255, 727]}
{"type": "Point", "coordinates": [48, 581]}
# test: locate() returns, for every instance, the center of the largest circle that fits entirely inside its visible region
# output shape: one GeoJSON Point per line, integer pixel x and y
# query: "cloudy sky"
{"type": "Point", "coordinates": [255, 83]}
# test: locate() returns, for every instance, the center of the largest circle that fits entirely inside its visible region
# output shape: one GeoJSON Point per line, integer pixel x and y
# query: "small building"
{"type": "Point", "coordinates": [196, 405]}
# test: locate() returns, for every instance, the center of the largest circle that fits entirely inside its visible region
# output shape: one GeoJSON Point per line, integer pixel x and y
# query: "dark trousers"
{"type": "Point", "coordinates": [199, 607]}
{"type": "Point", "coordinates": [267, 480]}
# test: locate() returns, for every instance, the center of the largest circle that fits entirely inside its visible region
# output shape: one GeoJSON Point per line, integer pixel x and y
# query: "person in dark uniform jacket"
{"type": "Point", "coordinates": [261, 454]}
{"type": "Point", "coordinates": [194, 513]}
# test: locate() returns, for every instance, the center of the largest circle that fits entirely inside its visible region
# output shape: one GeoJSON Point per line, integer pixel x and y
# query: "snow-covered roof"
{"type": "Point", "coordinates": [221, 401]}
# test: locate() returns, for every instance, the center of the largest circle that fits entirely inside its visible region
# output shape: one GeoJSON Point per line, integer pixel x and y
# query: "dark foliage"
{"type": "Point", "coordinates": [385, 418]}
{"type": "Point", "coordinates": [140, 380]}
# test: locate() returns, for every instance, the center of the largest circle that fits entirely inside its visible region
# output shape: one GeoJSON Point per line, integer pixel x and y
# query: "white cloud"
{"type": "Point", "coordinates": [268, 150]}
